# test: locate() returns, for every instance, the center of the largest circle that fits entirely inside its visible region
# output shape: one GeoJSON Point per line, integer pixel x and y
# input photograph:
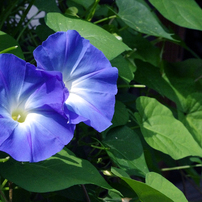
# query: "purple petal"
{"type": "Point", "coordinates": [87, 74]}
{"type": "Point", "coordinates": [34, 79]}
{"type": "Point", "coordinates": [7, 125]}
{"type": "Point", "coordinates": [38, 138]}
{"type": "Point", "coordinates": [48, 96]}
{"type": "Point", "coordinates": [38, 98]}
{"type": "Point", "coordinates": [12, 73]}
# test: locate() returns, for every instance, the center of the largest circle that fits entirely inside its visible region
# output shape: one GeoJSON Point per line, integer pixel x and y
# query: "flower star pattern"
{"type": "Point", "coordinates": [87, 74]}
{"type": "Point", "coordinates": [32, 120]}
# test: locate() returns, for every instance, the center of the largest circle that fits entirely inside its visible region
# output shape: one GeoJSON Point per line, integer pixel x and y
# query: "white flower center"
{"type": "Point", "coordinates": [19, 115]}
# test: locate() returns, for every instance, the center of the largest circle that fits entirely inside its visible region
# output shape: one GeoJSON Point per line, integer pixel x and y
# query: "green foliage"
{"type": "Point", "coordinates": [133, 13]}
{"type": "Point", "coordinates": [157, 124]}
{"type": "Point", "coordinates": [163, 132]}
{"type": "Point", "coordinates": [10, 45]}
{"type": "Point", "coordinates": [186, 14]}
{"type": "Point", "coordinates": [79, 172]}
{"type": "Point", "coordinates": [159, 183]}
{"type": "Point", "coordinates": [97, 36]}
{"type": "Point", "coordinates": [125, 149]}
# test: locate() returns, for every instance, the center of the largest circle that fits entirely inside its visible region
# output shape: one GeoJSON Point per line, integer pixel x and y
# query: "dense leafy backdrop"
{"type": "Point", "coordinates": [157, 125]}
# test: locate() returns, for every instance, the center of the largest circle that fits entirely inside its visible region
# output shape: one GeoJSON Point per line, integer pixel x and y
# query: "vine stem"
{"type": "Point", "coordinates": [104, 19]}
{"type": "Point", "coordinates": [132, 86]}
{"type": "Point", "coordinates": [10, 192]}
{"type": "Point", "coordinates": [86, 193]}
{"type": "Point", "coordinates": [181, 167]}
{"type": "Point", "coordinates": [2, 194]}
{"type": "Point", "coordinates": [5, 159]}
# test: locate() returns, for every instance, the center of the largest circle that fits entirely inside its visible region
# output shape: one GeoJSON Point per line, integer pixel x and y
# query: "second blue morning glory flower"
{"type": "Point", "coordinates": [87, 74]}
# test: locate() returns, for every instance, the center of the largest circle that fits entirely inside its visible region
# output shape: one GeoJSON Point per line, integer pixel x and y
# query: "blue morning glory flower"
{"type": "Point", "coordinates": [87, 74]}
{"type": "Point", "coordinates": [32, 120]}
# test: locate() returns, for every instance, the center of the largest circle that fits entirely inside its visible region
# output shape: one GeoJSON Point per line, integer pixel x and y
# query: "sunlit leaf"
{"type": "Point", "coordinates": [187, 14]}
{"type": "Point", "coordinates": [163, 132]}
{"type": "Point", "coordinates": [100, 38]}
{"type": "Point", "coordinates": [161, 184]}
{"type": "Point", "coordinates": [145, 192]}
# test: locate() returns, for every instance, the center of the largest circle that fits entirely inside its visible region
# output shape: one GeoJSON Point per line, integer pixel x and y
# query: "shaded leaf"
{"type": "Point", "coordinates": [121, 115]}
{"type": "Point", "coordinates": [145, 192]}
{"type": "Point", "coordinates": [125, 149]}
{"type": "Point", "coordinates": [86, 4]}
{"type": "Point", "coordinates": [138, 15]}
{"type": "Point", "coordinates": [192, 117]}
{"type": "Point", "coordinates": [125, 67]}
{"type": "Point", "coordinates": [151, 76]}
{"type": "Point", "coordinates": [146, 51]}
{"type": "Point", "coordinates": [6, 41]}
{"type": "Point", "coordinates": [176, 82]}
{"type": "Point", "coordinates": [47, 6]}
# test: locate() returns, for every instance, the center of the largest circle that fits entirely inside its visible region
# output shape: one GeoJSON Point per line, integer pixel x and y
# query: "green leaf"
{"type": "Point", "coordinates": [152, 77]}
{"type": "Point", "coordinates": [72, 11]}
{"type": "Point", "coordinates": [138, 15]}
{"type": "Point", "coordinates": [145, 192]}
{"type": "Point", "coordinates": [125, 149]}
{"type": "Point", "coordinates": [163, 132]}
{"type": "Point", "coordinates": [187, 14]}
{"type": "Point", "coordinates": [47, 6]}
{"type": "Point", "coordinates": [176, 81]}
{"type": "Point", "coordinates": [193, 115]}
{"type": "Point", "coordinates": [121, 115]}
{"type": "Point", "coordinates": [119, 172]}
{"type": "Point", "coordinates": [146, 51]}
{"type": "Point", "coordinates": [161, 184]}
{"type": "Point", "coordinates": [43, 32]}
{"type": "Point", "coordinates": [6, 42]}
{"type": "Point", "coordinates": [86, 4]}
{"type": "Point", "coordinates": [125, 67]}
{"type": "Point", "coordinates": [100, 38]}
{"type": "Point", "coordinates": [61, 171]}
{"type": "Point", "coordinates": [120, 118]}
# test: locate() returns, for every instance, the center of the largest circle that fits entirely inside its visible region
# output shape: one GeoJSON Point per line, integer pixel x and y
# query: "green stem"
{"type": "Point", "coordinates": [8, 49]}
{"type": "Point", "coordinates": [5, 159]}
{"type": "Point", "coordinates": [86, 193]}
{"type": "Point", "coordinates": [92, 10]}
{"type": "Point", "coordinates": [181, 167]}
{"type": "Point", "coordinates": [4, 183]}
{"type": "Point", "coordinates": [3, 196]}
{"type": "Point", "coordinates": [104, 19]}
{"type": "Point", "coordinates": [8, 188]}
{"type": "Point", "coordinates": [97, 147]}
{"type": "Point", "coordinates": [132, 86]}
